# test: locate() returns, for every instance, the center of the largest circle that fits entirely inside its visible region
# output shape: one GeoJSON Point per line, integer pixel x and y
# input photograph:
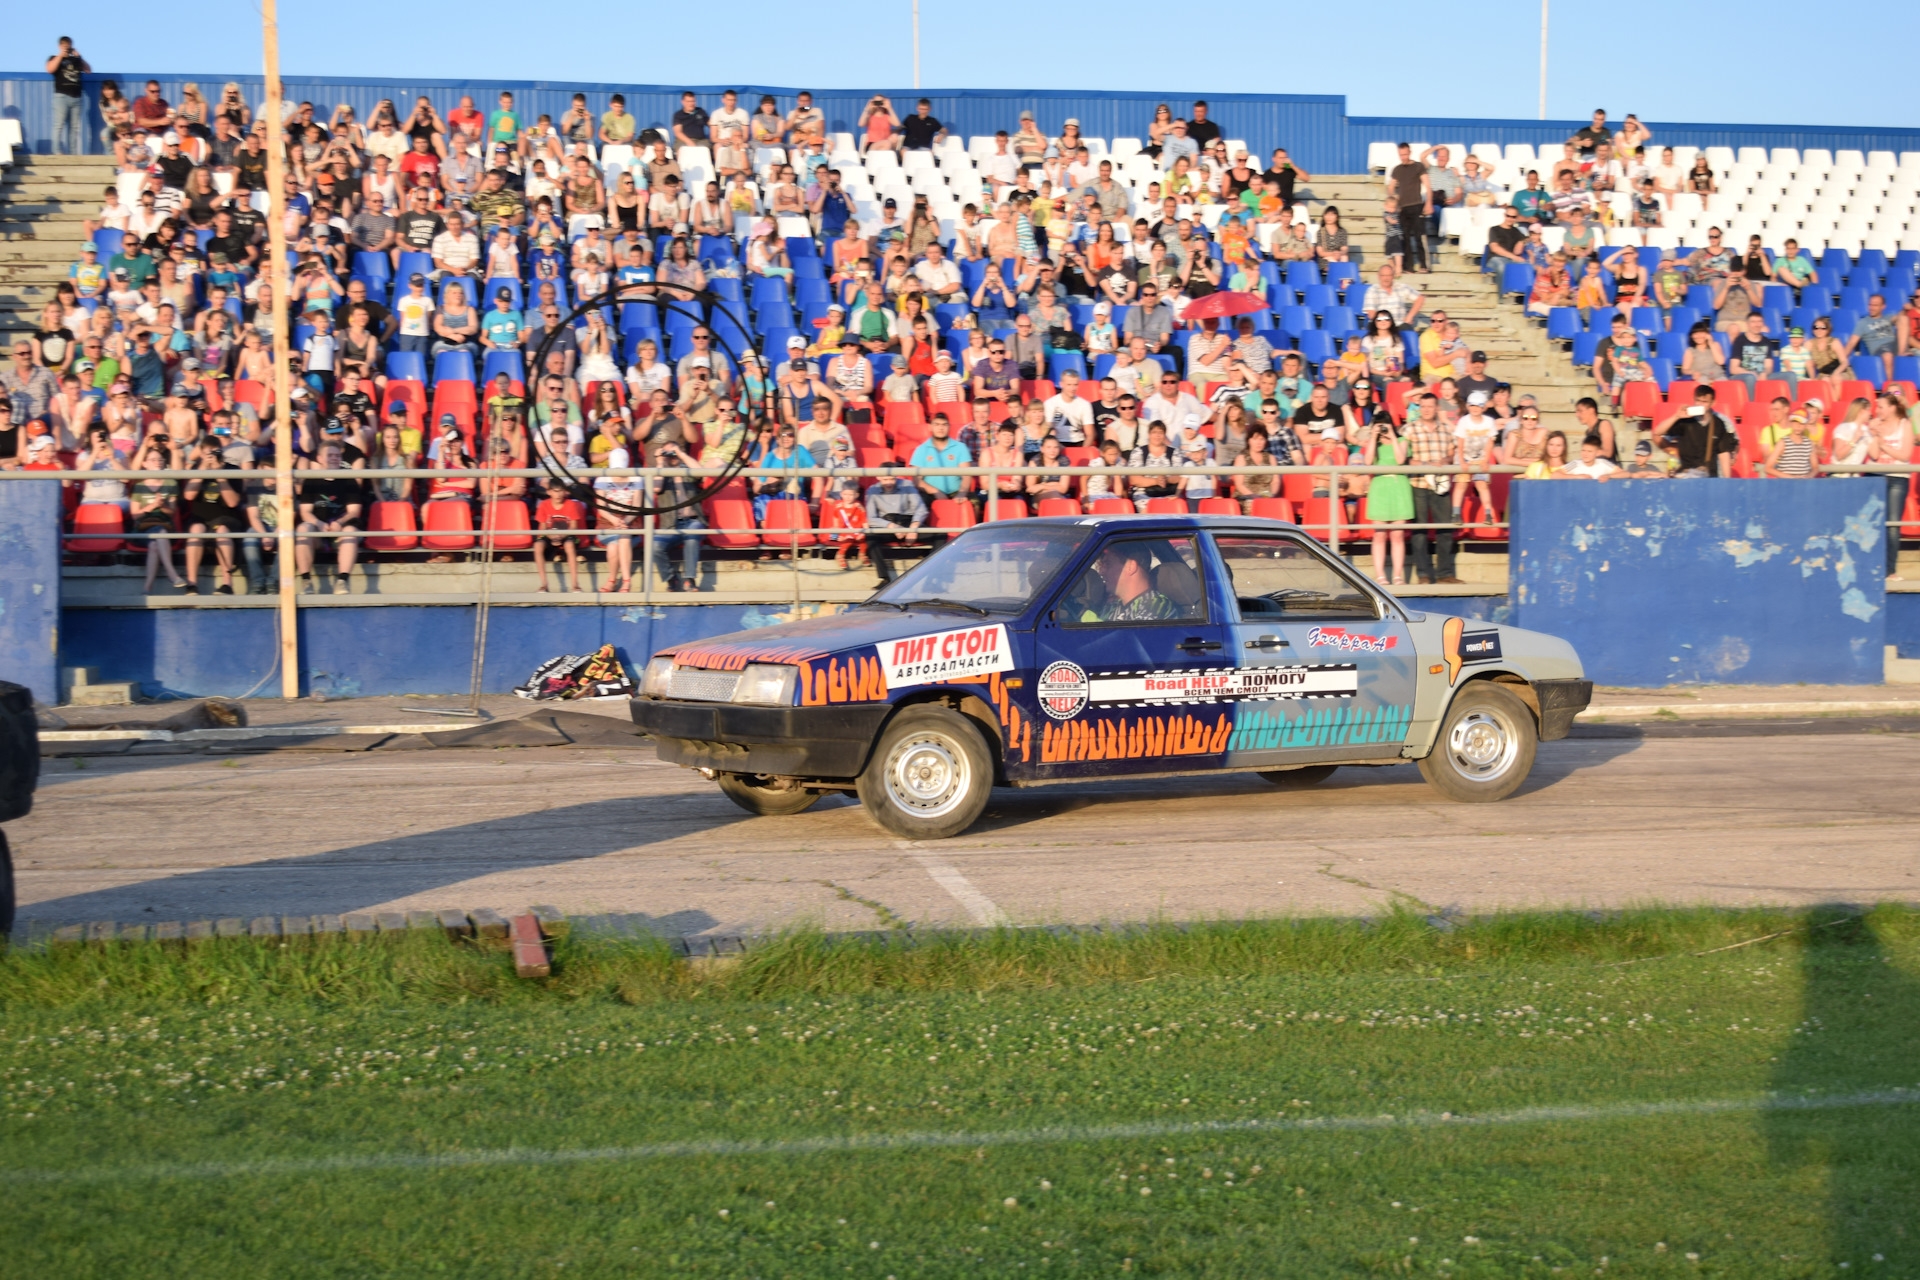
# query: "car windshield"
{"type": "Point", "coordinates": [998, 567]}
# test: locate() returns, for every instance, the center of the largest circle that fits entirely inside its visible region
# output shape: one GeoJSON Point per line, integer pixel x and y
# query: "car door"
{"type": "Point", "coordinates": [1131, 661]}
{"type": "Point", "coordinates": [1324, 671]}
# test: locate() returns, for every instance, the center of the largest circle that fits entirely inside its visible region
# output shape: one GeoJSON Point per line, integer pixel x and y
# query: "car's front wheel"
{"type": "Point", "coordinates": [1485, 747]}
{"type": "Point", "coordinates": [929, 776]}
{"type": "Point", "coordinates": [763, 798]}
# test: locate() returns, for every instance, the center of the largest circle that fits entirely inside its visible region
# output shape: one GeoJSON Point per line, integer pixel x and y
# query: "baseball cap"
{"type": "Point", "coordinates": [89, 247]}
{"type": "Point", "coordinates": [1796, 332]}
{"type": "Point", "coordinates": [40, 444]}
{"type": "Point", "coordinates": [890, 203]}
{"type": "Point", "coordinates": [1643, 449]}
{"type": "Point", "coordinates": [189, 363]}
{"type": "Point", "coordinates": [1478, 397]}
{"type": "Point", "coordinates": [1527, 401]}
{"type": "Point", "coordinates": [398, 407]}
{"type": "Point", "coordinates": [448, 420]}
{"type": "Point", "coordinates": [507, 294]}
{"type": "Point", "coordinates": [416, 278]}
{"type": "Point", "coordinates": [848, 340]}
{"type": "Point", "coordinates": [120, 273]}
{"type": "Point", "coordinates": [833, 307]}
{"type": "Point", "coordinates": [1026, 115]}
{"type": "Point", "coordinates": [796, 343]}
{"type": "Point", "coordinates": [1480, 356]}
{"type": "Point", "coordinates": [943, 357]}
{"type": "Point", "coordinates": [300, 391]}
{"type": "Point", "coordinates": [334, 427]}
{"type": "Point", "coordinates": [1074, 121]}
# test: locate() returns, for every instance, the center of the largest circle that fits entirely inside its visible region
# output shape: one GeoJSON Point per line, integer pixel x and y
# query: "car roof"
{"type": "Point", "coordinates": [1159, 520]}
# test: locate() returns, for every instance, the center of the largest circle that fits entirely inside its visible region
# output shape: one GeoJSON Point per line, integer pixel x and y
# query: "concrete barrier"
{"type": "Point", "coordinates": [30, 587]}
{"type": "Point", "coordinates": [1714, 581]}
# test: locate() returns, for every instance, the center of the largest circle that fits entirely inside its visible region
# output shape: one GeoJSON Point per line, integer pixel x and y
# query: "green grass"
{"type": "Point", "coordinates": [240, 1110]}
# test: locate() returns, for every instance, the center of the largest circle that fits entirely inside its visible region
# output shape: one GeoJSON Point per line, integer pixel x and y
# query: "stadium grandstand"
{"type": "Point", "coordinates": [905, 292]}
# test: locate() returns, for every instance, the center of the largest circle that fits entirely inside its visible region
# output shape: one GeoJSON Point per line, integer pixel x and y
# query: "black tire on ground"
{"type": "Point", "coordinates": [1485, 746]}
{"type": "Point", "coordinates": [763, 800]}
{"type": "Point", "coordinates": [929, 776]}
{"type": "Point", "coordinates": [6, 887]}
{"type": "Point", "coordinates": [1311, 775]}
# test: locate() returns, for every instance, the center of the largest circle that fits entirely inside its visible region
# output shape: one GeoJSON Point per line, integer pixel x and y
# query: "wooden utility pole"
{"type": "Point", "coordinates": [276, 276]}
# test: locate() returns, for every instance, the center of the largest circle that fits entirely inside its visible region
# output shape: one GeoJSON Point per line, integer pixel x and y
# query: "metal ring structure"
{"type": "Point", "coordinates": [684, 300]}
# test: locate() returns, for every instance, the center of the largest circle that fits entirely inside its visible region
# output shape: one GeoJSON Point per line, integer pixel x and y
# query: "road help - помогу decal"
{"type": "Point", "coordinates": [1218, 684]}
{"type": "Point", "coordinates": [945, 655]}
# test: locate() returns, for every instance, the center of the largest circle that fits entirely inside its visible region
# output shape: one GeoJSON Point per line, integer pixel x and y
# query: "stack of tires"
{"type": "Point", "coordinates": [19, 772]}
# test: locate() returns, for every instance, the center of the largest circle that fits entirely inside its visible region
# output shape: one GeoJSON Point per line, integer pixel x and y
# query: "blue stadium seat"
{"type": "Point", "coordinates": [1843, 321]}
{"type": "Point", "coordinates": [971, 274]}
{"type": "Point", "coordinates": [1338, 322]}
{"type": "Point", "coordinates": [1836, 260]}
{"type": "Point", "coordinates": [1102, 365]}
{"type": "Point", "coordinates": [410, 264]}
{"type": "Point", "coordinates": [947, 312]}
{"type": "Point", "coordinates": [799, 247]}
{"type": "Point", "coordinates": [631, 340]}
{"type": "Point", "coordinates": [1276, 338]}
{"type": "Point", "coordinates": [1854, 298]}
{"type": "Point", "coordinates": [1777, 297]}
{"type": "Point", "coordinates": [1317, 346]}
{"type": "Point", "coordinates": [1662, 370]}
{"type": "Point", "coordinates": [1564, 324]}
{"type": "Point", "coordinates": [1302, 274]}
{"type": "Point", "coordinates": [508, 283]}
{"type": "Point", "coordinates": [1648, 322]}
{"type": "Point", "coordinates": [1650, 258]}
{"type": "Point", "coordinates": [1516, 278]}
{"type": "Point", "coordinates": [808, 269]}
{"type": "Point", "coordinates": [373, 266]}
{"type": "Point", "coordinates": [639, 317]}
{"type": "Point", "coordinates": [1340, 272]}
{"type": "Point", "coordinates": [1672, 347]}
{"type": "Point", "coordinates": [1058, 362]}
{"type": "Point", "coordinates": [1584, 346]}
{"type": "Point", "coordinates": [1907, 369]}
{"type": "Point", "coordinates": [508, 362]}
{"type": "Point", "coordinates": [1870, 369]}
{"type": "Point", "coordinates": [882, 366]}
{"type": "Point", "coordinates": [1318, 297]}
{"type": "Point", "coordinates": [108, 242]}
{"type": "Point", "coordinates": [1776, 323]}
{"type": "Point", "coordinates": [716, 248]}
{"type": "Point", "coordinates": [408, 366]}
{"type": "Point", "coordinates": [1700, 297]}
{"type": "Point", "coordinates": [728, 287]}
{"type": "Point", "coordinates": [1296, 320]}
{"type": "Point", "coordinates": [453, 366]}
{"type": "Point", "coordinates": [807, 291]}
{"type": "Point", "coordinates": [773, 343]}
{"type": "Point", "coordinates": [1874, 260]}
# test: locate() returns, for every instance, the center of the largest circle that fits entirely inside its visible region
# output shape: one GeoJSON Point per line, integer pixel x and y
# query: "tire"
{"type": "Point", "coordinates": [929, 776]}
{"type": "Point", "coordinates": [763, 800]}
{"type": "Point", "coordinates": [6, 888]}
{"type": "Point", "coordinates": [1485, 746]}
{"type": "Point", "coordinates": [1311, 775]}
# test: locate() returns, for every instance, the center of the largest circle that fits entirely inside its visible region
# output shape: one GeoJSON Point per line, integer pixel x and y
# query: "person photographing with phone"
{"type": "Point", "coordinates": [1703, 439]}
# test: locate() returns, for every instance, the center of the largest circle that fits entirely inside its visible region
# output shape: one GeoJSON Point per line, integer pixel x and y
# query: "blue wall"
{"type": "Point", "coordinates": [1727, 581]}
{"type": "Point", "coordinates": [30, 586]}
{"type": "Point", "coordinates": [364, 651]}
{"type": "Point", "coordinates": [1316, 129]}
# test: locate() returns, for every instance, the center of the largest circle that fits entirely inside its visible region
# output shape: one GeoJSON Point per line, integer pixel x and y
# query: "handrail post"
{"type": "Point", "coordinates": [281, 318]}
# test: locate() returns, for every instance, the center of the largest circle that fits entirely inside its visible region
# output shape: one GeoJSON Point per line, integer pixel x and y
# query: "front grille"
{"type": "Point", "coordinates": [703, 686]}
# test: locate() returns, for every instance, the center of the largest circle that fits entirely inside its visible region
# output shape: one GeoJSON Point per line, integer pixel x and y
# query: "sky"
{"type": "Point", "coordinates": [1685, 64]}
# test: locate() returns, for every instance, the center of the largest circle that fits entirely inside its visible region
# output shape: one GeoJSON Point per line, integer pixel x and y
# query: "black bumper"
{"type": "Point", "coordinates": [1560, 702]}
{"type": "Point", "coordinates": [801, 742]}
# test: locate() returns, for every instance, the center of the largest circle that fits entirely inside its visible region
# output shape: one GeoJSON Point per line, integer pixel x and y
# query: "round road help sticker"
{"type": "Point", "coordinates": [1063, 690]}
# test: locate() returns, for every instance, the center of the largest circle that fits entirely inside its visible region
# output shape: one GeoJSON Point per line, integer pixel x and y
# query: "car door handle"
{"type": "Point", "coordinates": [1195, 644]}
{"type": "Point", "coordinates": [1267, 642]}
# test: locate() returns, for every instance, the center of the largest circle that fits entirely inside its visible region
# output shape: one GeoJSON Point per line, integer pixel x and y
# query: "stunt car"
{"type": "Point", "coordinates": [1038, 651]}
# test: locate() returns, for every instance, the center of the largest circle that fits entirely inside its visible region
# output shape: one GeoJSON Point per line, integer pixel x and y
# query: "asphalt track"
{"type": "Point", "coordinates": [1731, 813]}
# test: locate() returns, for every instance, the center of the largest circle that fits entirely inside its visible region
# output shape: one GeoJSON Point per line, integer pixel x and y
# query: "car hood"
{"type": "Point", "coordinates": [813, 638]}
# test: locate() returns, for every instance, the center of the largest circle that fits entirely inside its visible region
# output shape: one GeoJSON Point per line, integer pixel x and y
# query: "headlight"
{"type": "Point", "coordinates": [657, 678]}
{"type": "Point", "coordinates": [766, 684]}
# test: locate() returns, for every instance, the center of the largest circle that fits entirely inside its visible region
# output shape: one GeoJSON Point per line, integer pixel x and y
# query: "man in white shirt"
{"type": "Point", "coordinates": [728, 127]}
{"type": "Point", "coordinates": [1082, 172]}
{"type": "Point", "coordinates": [1001, 168]}
{"type": "Point", "coordinates": [456, 249]}
{"type": "Point", "coordinates": [939, 276]}
{"type": "Point", "coordinates": [1169, 404]}
{"type": "Point", "coordinates": [1070, 417]}
{"type": "Point", "coordinates": [1591, 465]}
{"type": "Point", "coordinates": [389, 142]}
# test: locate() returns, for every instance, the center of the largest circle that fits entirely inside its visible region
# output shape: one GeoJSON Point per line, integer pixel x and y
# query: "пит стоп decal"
{"type": "Point", "coordinates": [945, 655]}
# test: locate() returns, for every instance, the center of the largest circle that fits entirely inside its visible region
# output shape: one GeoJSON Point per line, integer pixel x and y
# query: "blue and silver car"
{"type": "Point", "coordinates": [1039, 651]}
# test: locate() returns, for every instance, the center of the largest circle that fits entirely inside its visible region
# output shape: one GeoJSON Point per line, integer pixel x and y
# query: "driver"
{"type": "Point", "coordinates": [1131, 597]}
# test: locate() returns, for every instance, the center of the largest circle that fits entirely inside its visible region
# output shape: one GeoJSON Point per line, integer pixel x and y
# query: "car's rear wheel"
{"type": "Point", "coordinates": [929, 776]}
{"type": "Point", "coordinates": [1485, 746]}
{"type": "Point", "coordinates": [1311, 775]}
{"type": "Point", "coordinates": [766, 799]}
{"type": "Point", "coordinates": [6, 887]}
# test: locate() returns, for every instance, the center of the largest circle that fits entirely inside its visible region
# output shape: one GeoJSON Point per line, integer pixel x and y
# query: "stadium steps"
{"type": "Point", "coordinates": [1517, 351]}
{"type": "Point", "coordinates": [44, 204]}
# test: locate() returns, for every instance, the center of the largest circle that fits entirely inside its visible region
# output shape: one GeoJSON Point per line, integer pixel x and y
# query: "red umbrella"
{"type": "Point", "coordinates": [1224, 303]}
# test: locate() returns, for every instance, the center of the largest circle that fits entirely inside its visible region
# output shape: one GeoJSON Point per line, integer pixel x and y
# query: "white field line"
{"type": "Point", "coordinates": [920, 1141]}
{"type": "Point", "coordinates": [978, 905]}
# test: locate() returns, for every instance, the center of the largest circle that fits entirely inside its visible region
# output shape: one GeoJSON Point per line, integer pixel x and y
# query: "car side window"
{"type": "Point", "coordinates": [1280, 577]}
{"type": "Point", "coordinates": [1138, 580]}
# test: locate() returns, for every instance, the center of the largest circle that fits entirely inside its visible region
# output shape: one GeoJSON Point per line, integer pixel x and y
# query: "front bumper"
{"type": "Point", "coordinates": [801, 742]}
{"type": "Point", "coordinates": [1560, 702]}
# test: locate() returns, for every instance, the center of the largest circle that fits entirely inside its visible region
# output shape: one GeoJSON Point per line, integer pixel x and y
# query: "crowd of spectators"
{"type": "Point", "coordinates": [1047, 323]}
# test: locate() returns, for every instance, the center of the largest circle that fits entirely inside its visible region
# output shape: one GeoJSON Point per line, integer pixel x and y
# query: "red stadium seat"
{"type": "Point", "coordinates": [398, 521]}
{"type": "Point", "coordinates": [906, 415]}
{"type": "Point", "coordinates": [1110, 507]}
{"type": "Point", "coordinates": [734, 490]}
{"type": "Point", "coordinates": [1729, 397]}
{"type": "Point", "coordinates": [104, 521]}
{"type": "Point", "coordinates": [456, 398]}
{"type": "Point", "coordinates": [1010, 509]}
{"type": "Point", "coordinates": [867, 435]}
{"type": "Point", "coordinates": [1059, 507]}
{"type": "Point", "coordinates": [1272, 509]}
{"type": "Point", "coordinates": [953, 513]}
{"type": "Point", "coordinates": [730, 514]}
{"type": "Point", "coordinates": [1316, 517]}
{"type": "Point", "coordinates": [788, 524]}
{"type": "Point", "coordinates": [1166, 506]}
{"type": "Point", "coordinates": [1079, 455]}
{"type": "Point", "coordinates": [257, 394]}
{"type": "Point", "coordinates": [506, 519]}
{"type": "Point", "coordinates": [1219, 507]}
{"type": "Point", "coordinates": [881, 457]}
{"type": "Point", "coordinates": [1766, 389]}
{"type": "Point", "coordinates": [1297, 488]}
{"type": "Point", "coordinates": [1641, 400]}
{"type": "Point", "coordinates": [448, 524]}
